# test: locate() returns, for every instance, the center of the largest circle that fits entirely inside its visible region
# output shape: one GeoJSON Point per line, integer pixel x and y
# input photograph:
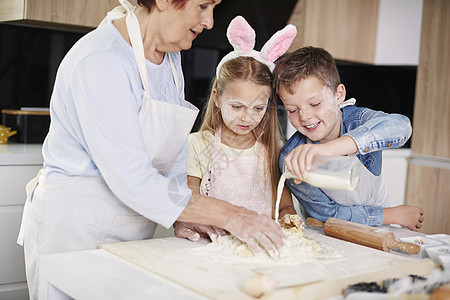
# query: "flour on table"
{"type": "Point", "coordinates": [296, 250]}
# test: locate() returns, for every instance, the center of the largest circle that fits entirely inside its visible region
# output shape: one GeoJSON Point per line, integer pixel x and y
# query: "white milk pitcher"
{"type": "Point", "coordinates": [332, 172]}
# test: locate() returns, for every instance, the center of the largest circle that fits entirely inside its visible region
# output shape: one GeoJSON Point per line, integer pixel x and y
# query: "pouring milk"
{"type": "Point", "coordinates": [329, 172]}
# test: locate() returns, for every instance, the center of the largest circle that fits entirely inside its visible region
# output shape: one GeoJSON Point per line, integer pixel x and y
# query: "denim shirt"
{"type": "Point", "coordinates": [373, 131]}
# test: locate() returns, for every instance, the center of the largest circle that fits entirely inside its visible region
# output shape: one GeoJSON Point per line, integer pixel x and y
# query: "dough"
{"type": "Point", "coordinates": [258, 285]}
{"type": "Point", "coordinates": [297, 249]}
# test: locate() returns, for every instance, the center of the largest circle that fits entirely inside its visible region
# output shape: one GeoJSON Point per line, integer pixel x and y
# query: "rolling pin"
{"type": "Point", "coordinates": [363, 235]}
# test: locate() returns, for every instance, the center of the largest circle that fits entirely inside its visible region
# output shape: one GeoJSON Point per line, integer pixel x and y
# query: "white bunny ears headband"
{"type": "Point", "coordinates": [242, 37]}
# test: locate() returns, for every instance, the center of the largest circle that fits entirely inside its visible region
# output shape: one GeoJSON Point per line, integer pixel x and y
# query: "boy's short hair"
{"type": "Point", "coordinates": [304, 63]}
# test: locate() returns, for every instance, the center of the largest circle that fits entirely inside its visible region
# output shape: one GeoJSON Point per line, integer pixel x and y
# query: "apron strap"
{"type": "Point", "coordinates": [174, 72]}
{"type": "Point", "coordinates": [31, 185]}
{"type": "Point", "coordinates": [215, 153]}
{"type": "Point", "coordinates": [134, 32]}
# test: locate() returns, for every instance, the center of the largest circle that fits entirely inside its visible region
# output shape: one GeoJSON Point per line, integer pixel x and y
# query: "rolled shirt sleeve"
{"type": "Point", "coordinates": [379, 131]}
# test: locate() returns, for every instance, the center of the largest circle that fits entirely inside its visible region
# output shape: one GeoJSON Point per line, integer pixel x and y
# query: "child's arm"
{"type": "Point", "coordinates": [194, 183]}
{"type": "Point", "coordinates": [193, 231]}
{"type": "Point", "coordinates": [286, 205]}
{"type": "Point", "coordinates": [405, 215]}
{"type": "Point", "coordinates": [288, 217]}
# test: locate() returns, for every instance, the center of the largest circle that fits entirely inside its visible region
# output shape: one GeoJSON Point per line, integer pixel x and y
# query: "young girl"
{"type": "Point", "coordinates": [234, 155]}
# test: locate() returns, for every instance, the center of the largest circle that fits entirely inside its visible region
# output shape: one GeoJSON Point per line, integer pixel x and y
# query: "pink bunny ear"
{"type": "Point", "coordinates": [279, 43]}
{"type": "Point", "coordinates": [241, 35]}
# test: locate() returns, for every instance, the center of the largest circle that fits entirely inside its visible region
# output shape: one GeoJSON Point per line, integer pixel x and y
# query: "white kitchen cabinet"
{"type": "Point", "coordinates": [18, 164]}
{"type": "Point", "coordinates": [380, 32]}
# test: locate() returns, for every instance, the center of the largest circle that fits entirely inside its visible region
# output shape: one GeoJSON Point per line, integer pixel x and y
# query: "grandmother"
{"type": "Point", "coordinates": [115, 155]}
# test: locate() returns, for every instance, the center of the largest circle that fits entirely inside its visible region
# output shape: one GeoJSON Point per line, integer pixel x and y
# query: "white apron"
{"type": "Point", "coordinates": [240, 180]}
{"type": "Point", "coordinates": [78, 200]}
{"type": "Point", "coordinates": [371, 189]}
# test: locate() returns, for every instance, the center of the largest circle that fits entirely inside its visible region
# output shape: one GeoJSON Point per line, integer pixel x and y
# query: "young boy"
{"type": "Point", "coordinates": [308, 83]}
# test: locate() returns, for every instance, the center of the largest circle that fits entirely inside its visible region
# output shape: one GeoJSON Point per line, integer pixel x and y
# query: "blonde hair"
{"type": "Point", "coordinates": [267, 132]}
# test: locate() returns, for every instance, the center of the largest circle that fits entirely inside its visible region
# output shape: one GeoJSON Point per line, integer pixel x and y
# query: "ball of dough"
{"type": "Point", "coordinates": [259, 284]}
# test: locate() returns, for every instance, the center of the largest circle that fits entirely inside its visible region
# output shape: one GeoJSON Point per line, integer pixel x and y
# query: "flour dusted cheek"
{"type": "Point", "coordinates": [259, 115]}
{"type": "Point", "coordinates": [228, 115]}
{"type": "Point", "coordinates": [329, 107]}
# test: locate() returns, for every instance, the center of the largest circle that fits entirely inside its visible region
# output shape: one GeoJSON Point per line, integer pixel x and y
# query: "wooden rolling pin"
{"type": "Point", "coordinates": [362, 234]}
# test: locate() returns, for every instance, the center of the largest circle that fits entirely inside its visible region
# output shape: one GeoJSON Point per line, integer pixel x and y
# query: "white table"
{"type": "Point", "coordinates": [98, 274]}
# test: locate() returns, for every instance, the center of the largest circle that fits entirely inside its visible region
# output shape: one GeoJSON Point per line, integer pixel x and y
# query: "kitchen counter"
{"type": "Point", "coordinates": [21, 154]}
{"type": "Point", "coordinates": [99, 274]}
{"type": "Point", "coordinates": [18, 164]}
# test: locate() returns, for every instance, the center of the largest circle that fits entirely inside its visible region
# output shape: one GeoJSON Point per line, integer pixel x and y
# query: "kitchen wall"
{"type": "Point", "coordinates": [429, 167]}
{"type": "Point", "coordinates": [398, 32]}
{"type": "Point", "coordinates": [29, 57]}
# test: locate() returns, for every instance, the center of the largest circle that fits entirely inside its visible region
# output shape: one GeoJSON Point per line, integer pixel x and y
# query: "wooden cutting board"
{"type": "Point", "coordinates": [176, 260]}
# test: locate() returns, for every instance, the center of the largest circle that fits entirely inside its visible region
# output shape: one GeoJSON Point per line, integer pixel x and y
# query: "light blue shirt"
{"type": "Point", "coordinates": [94, 126]}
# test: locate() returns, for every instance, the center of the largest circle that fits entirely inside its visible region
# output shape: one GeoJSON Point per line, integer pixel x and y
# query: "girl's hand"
{"type": "Point", "coordinates": [258, 231]}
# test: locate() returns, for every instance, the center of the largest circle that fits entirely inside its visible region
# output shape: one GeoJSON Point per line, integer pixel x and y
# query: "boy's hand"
{"type": "Point", "coordinates": [299, 161]}
{"type": "Point", "coordinates": [405, 215]}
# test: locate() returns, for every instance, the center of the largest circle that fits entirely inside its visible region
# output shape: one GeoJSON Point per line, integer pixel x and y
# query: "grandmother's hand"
{"type": "Point", "coordinates": [194, 232]}
{"type": "Point", "coordinates": [258, 231]}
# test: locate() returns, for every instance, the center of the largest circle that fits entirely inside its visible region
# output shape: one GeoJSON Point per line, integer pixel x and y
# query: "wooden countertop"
{"type": "Point", "coordinates": [26, 112]}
